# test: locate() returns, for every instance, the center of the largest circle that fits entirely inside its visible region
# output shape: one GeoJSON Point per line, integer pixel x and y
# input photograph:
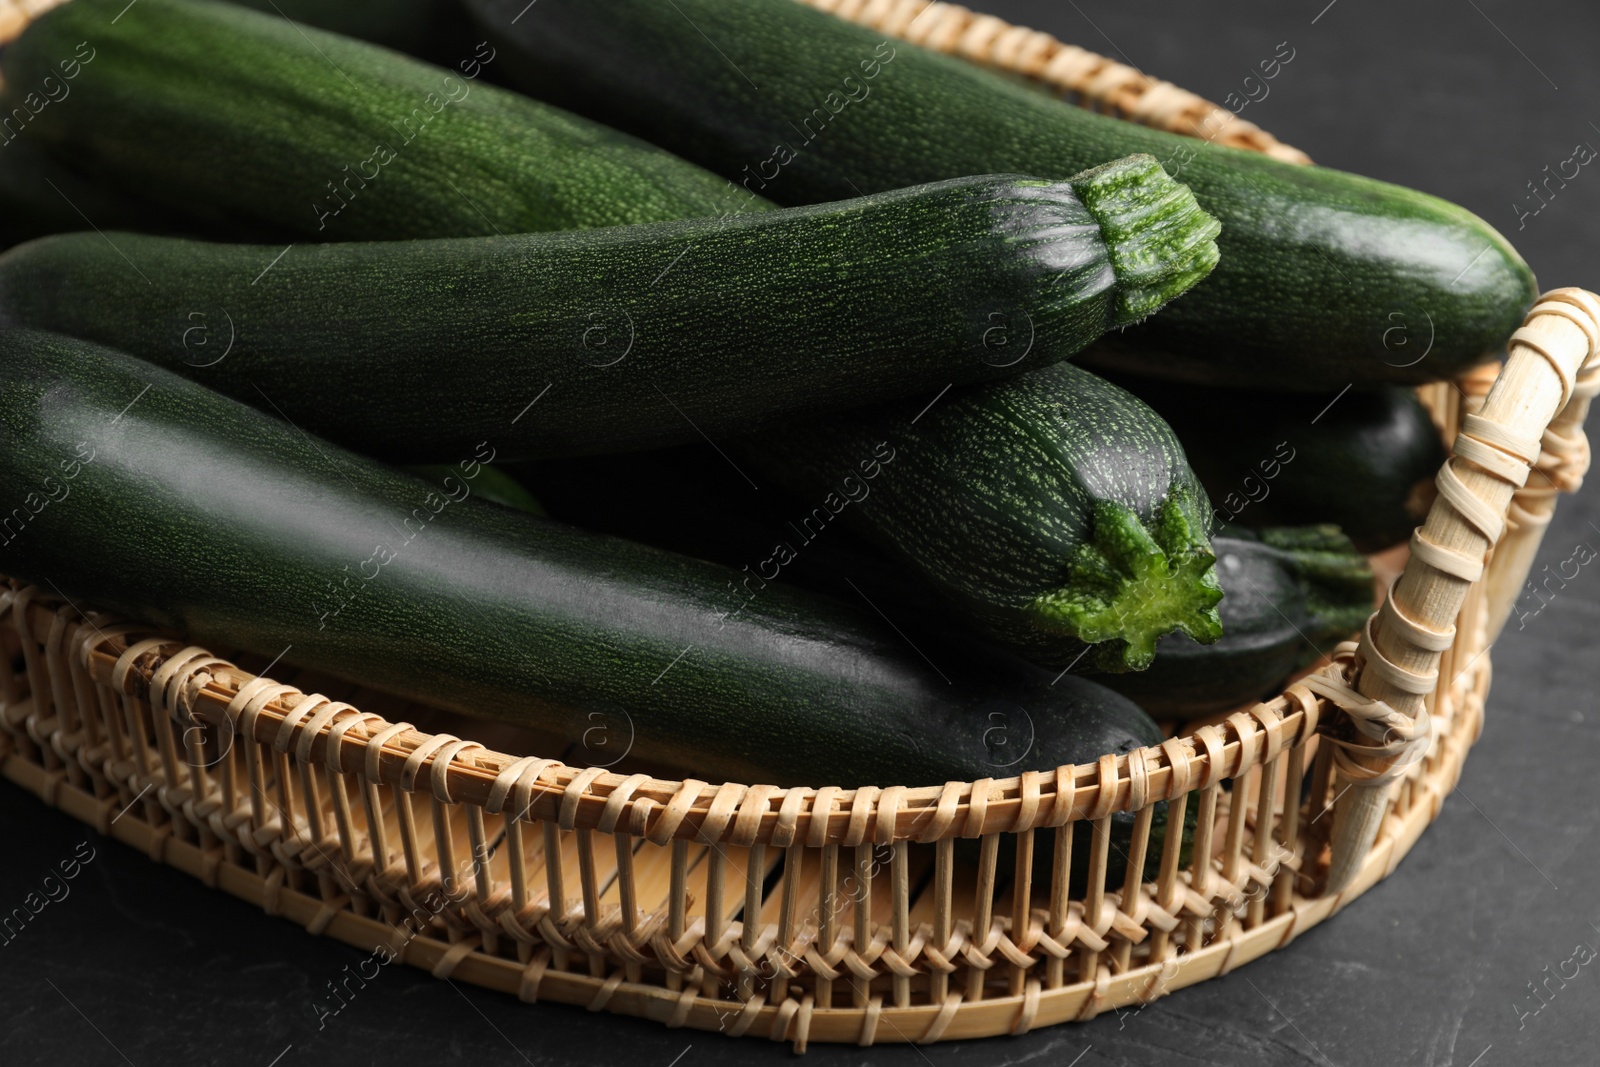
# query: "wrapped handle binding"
{"type": "Point", "coordinates": [1395, 666]}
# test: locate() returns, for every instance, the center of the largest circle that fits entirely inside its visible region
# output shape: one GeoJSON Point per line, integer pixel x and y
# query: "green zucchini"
{"type": "Point", "coordinates": [1290, 595]}
{"type": "Point", "coordinates": [1055, 510]}
{"type": "Point", "coordinates": [217, 110]}
{"type": "Point", "coordinates": [1323, 273]}
{"type": "Point", "coordinates": [633, 337]}
{"type": "Point", "coordinates": [1363, 460]}
{"type": "Point", "coordinates": [152, 496]}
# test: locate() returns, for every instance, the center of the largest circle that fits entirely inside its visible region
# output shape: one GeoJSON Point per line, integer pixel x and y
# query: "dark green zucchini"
{"type": "Point", "coordinates": [214, 109]}
{"type": "Point", "coordinates": [1363, 460]}
{"type": "Point", "coordinates": [147, 494]}
{"type": "Point", "coordinates": [1289, 595]}
{"type": "Point", "coordinates": [1320, 269]}
{"type": "Point", "coordinates": [632, 337]}
{"type": "Point", "coordinates": [1055, 510]}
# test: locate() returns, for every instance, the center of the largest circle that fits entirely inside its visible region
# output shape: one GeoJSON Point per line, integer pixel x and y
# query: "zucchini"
{"type": "Point", "coordinates": [1363, 460]}
{"type": "Point", "coordinates": [220, 111]}
{"type": "Point", "coordinates": [1055, 510]}
{"type": "Point", "coordinates": [1322, 273]}
{"type": "Point", "coordinates": [632, 337]}
{"type": "Point", "coordinates": [155, 497]}
{"type": "Point", "coordinates": [1289, 595]}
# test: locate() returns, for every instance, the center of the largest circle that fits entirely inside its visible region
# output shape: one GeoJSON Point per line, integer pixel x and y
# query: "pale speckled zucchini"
{"type": "Point", "coordinates": [1055, 509]}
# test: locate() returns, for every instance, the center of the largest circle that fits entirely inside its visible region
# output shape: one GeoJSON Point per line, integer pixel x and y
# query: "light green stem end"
{"type": "Point", "coordinates": [1159, 239]}
{"type": "Point", "coordinates": [1129, 584]}
{"type": "Point", "coordinates": [1336, 577]}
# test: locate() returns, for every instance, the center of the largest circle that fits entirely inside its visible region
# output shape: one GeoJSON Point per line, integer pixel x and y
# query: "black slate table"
{"type": "Point", "coordinates": [1435, 967]}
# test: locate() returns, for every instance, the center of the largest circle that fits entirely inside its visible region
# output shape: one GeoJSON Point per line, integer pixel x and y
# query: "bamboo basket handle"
{"type": "Point", "coordinates": [1396, 665]}
{"type": "Point", "coordinates": [1563, 461]}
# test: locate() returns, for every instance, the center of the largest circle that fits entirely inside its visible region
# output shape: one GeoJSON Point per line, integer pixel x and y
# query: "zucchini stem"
{"type": "Point", "coordinates": [1336, 577]}
{"type": "Point", "coordinates": [1160, 241]}
{"type": "Point", "coordinates": [1131, 583]}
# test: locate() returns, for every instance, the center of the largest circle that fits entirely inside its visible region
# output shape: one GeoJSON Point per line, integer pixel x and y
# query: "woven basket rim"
{"type": "Point", "coordinates": [659, 809]}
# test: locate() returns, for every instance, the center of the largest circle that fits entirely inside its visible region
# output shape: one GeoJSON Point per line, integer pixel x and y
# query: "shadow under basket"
{"type": "Point", "coordinates": [831, 915]}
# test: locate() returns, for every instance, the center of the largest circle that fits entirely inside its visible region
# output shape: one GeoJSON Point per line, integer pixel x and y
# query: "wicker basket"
{"type": "Point", "coordinates": [827, 915]}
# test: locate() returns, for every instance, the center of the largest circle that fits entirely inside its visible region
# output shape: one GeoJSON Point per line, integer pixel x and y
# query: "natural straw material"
{"type": "Point", "coordinates": [1563, 461]}
{"type": "Point", "coordinates": [801, 914]}
{"type": "Point", "coordinates": [630, 893]}
{"type": "Point", "coordinates": [1397, 663]}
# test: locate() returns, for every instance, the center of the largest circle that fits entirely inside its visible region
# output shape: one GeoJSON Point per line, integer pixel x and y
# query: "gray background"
{"type": "Point", "coordinates": [1467, 99]}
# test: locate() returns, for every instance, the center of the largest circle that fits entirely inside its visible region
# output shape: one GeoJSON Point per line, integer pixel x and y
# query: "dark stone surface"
{"type": "Point", "coordinates": [141, 964]}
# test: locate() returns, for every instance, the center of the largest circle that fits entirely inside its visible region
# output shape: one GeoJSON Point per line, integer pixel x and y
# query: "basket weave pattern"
{"type": "Point", "coordinates": [451, 855]}
{"type": "Point", "coordinates": [796, 914]}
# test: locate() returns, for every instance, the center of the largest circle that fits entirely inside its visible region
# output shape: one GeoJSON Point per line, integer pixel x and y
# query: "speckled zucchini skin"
{"type": "Point", "coordinates": [1055, 510]}
{"type": "Point", "coordinates": [147, 494]}
{"type": "Point", "coordinates": [218, 110]}
{"type": "Point", "coordinates": [631, 337]}
{"type": "Point", "coordinates": [1323, 276]}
